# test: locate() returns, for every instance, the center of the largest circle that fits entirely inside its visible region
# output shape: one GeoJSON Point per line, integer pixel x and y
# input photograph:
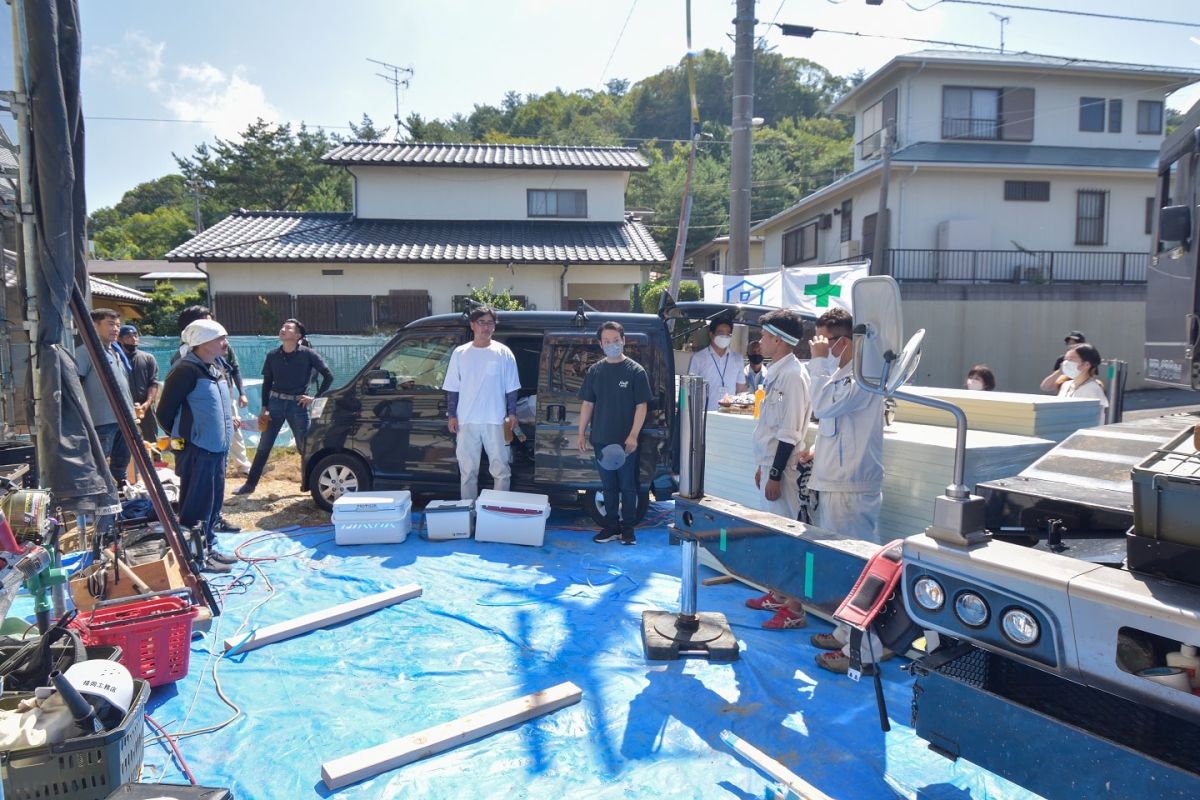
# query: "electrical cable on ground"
{"type": "Point", "coordinates": [183, 765]}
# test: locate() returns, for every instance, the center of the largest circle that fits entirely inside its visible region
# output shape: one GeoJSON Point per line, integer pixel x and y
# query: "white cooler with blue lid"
{"type": "Point", "coordinates": [511, 517]}
{"type": "Point", "coordinates": [372, 517]}
{"type": "Point", "coordinates": [448, 519]}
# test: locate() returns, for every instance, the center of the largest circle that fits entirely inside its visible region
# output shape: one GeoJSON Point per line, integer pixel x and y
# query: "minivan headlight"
{"type": "Point", "coordinates": [929, 594]}
{"type": "Point", "coordinates": [971, 609]}
{"type": "Point", "coordinates": [1020, 627]}
{"type": "Point", "coordinates": [317, 407]}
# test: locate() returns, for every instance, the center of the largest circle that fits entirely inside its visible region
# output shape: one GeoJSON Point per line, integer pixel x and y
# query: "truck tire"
{"type": "Point", "coordinates": [593, 502]}
{"type": "Point", "coordinates": [336, 474]}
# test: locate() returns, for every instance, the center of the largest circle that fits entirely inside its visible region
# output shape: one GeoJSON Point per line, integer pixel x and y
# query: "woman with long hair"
{"type": "Point", "coordinates": [1076, 377]}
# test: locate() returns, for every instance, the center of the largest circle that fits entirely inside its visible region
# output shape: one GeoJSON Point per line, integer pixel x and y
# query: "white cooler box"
{"type": "Point", "coordinates": [511, 517]}
{"type": "Point", "coordinates": [372, 517]}
{"type": "Point", "coordinates": [448, 519]}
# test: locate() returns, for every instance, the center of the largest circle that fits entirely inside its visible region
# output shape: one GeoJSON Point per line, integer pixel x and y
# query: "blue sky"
{"type": "Point", "coordinates": [209, 68]}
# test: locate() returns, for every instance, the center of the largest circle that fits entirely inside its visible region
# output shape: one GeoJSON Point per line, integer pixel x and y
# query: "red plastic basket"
{"type": "Point", "coordinates": [154, 635]}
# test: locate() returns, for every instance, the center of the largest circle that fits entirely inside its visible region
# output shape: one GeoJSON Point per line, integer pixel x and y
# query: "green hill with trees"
{"type": "Point", "coordinates": [277, 167]}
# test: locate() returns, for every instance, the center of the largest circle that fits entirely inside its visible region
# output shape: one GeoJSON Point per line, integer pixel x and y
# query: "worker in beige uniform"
{"type": "Point", "coordinates": [779, 441]}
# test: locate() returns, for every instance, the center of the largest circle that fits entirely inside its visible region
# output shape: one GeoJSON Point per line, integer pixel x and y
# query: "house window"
{"type": "Point", "coordinates": [970, 113]}
{"type": "Point", "coordinates": [1150, 117]}
{"type": "Point", "coordinates": [868, 234]}
{"type": "Point", "coordinates": [800, 244]}
{"type": "Point", "coordinates": [1038, 191]}
{"type": "Point", "coordinates": [1091, 114]}
{"type": "Point", "coordinates": [1150, 209]}
{"type": "Point", "coordinates": [1115, 109]}
{"type": "Point", "coordinates": [714, 262]}
{"type": "Point", "coordinates": [875, 119]}
{"type": "Point", "coordinates": [847, 220]}
{"type": "Point", "coordinates": [570, 203]}
{"type": "Point", "coordinates": [332, 272]}
{"type": "Point", "coordinates": [1091, 216]}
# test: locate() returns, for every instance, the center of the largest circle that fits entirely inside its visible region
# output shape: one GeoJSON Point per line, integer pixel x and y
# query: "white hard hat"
{"type": "Point", "coordinates": [108, 680]}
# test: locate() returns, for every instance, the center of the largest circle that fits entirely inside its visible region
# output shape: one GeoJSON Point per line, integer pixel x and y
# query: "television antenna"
{"type": "Point", "coordinates": [1003, 21]}
{"type": "Point", "coordinates": [394, 77]}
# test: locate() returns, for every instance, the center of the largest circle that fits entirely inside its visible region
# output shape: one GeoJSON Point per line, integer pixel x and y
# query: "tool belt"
{"type": "Point", "coordinates": [282, 396]}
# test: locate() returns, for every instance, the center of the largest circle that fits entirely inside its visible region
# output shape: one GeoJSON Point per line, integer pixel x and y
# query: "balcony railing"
{"type": "Point", "coordinates": [970, 128]}
{"type": "Point", "coordinates": [1017, 266]}
{"type": "Point", "coordinates": [871, 145]}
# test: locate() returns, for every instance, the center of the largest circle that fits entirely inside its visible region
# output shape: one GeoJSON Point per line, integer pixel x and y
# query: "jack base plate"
{"type": "Point", "coordinates": [665, 641]}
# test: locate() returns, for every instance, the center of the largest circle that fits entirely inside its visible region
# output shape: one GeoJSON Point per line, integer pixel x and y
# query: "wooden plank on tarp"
{"type": "Point", "coordinates": [398, 752]}
{"type": "Point", "coordinates": [325, 618]}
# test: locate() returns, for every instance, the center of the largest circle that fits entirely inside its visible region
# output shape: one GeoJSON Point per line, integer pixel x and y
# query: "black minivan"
{"type": "Point", "coordinates": [386, 428]}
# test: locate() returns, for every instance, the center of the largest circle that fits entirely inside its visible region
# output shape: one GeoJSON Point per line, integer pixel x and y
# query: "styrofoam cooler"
{"type": "Point", "coordinates": [511, 517]}
{"type": "Point", "coordinates": [448, 519]}
{"type": "Point", "coordinates": [372, 517]}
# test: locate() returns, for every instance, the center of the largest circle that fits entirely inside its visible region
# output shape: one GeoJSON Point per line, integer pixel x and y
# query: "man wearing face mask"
{"type": "Point", "coordinates": [616, 396]}
{"type": "Point", "coordinates": [755, 373]}
{"type": "Point", "coordinates": [847, 476]}
{"type": "Point", "coordinates": [778, 440]}
{"type": "Point", "coordinates": [143, 381]}
{"type": "Point", "coordinates": [720, 367]}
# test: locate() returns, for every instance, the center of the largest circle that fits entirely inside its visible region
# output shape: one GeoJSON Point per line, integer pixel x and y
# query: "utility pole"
{"type": "Point", "coordinates": [685, 207]}
{"type": "Point", "coordinates": [882, 217]}
{"type": "Point", "coordinates": [197, 186]}
{"type": "Point", "coordinates": [397, 83]}
{"type": "Point", "coordinates": [743, 114]}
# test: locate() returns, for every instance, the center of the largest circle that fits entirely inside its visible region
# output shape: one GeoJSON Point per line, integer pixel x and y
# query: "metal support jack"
{"type": "Point", "coordinates": [667, 636]}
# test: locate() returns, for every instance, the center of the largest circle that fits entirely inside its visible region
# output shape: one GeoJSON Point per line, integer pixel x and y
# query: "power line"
{"type": "Point", "coordinates": [1095, 14]}
{"type": "Point", "coordinates": [617, 43]}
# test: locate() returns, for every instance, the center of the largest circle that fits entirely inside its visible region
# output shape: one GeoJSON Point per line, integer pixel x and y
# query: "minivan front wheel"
{"type": "Point", "coordinates": [593, 501]}
{"type": "Point", "coordinates": [335, 475]}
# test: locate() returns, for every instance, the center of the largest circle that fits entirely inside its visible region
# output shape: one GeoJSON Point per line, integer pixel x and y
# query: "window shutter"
{"type": "Point", "coordinates": [1016, 115]}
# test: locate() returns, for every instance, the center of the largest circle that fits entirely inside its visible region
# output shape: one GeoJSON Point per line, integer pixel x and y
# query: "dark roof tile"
{"type": "Point", "coordinates": [287, 236]}
{"type": "Point", "coordinates": [509, 156]}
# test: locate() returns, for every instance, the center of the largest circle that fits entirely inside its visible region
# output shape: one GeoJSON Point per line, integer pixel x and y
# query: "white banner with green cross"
{"type": "Point", "coordinates": [815, 290]}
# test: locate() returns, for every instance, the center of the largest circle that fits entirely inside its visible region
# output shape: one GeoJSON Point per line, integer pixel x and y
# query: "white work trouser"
{"type": "Point", "coordinates": [237, 445]}
{"type": "Point", "coordinates": [472, 438]}
{"type": "Point", "coordinates": [854, 515]}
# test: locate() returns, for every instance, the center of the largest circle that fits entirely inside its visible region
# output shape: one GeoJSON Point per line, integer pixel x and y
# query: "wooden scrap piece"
{"type": "Point", "coordinates": [398, 752]}
{"type": "Point", "coordinates": [718, 580]}
{"type": "Point", "coordinates": [325, 618]}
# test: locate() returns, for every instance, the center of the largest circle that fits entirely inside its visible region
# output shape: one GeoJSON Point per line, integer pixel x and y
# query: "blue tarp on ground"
{"type": "Point", "coordinates": [497, 622]}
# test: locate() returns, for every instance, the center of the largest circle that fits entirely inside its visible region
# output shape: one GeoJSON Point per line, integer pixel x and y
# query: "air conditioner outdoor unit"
{"type": "Point", "coordinates": [851, 249]}
{"type": "Point", "coordinates": [826, 222]}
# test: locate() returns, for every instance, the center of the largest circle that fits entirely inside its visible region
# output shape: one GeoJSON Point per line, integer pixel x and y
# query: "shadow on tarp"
{"type": "Point", "coordinates": [496, 622]}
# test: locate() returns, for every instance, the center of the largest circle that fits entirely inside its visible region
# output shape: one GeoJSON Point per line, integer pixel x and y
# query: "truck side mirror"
{"type": "Point", "coordinates": [379, 381]}
{"type": "Point", "coordinates": [1174, 224]}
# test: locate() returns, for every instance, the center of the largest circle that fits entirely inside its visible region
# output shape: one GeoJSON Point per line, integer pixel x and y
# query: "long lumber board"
{"type": "Point", "coordinates": [321, 619]}
{"type": "Point", "coordinates": [398, 752]}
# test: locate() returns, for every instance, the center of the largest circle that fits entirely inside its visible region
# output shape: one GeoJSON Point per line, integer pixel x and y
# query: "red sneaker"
{"type": "Point", "coordinates": [768, 602]}
{"type": "Point", "coordinates": [785, 619]}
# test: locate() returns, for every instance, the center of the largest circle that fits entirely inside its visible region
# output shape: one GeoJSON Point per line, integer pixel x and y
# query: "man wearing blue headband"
{"type": "Point", "coordinates": [778, 442]}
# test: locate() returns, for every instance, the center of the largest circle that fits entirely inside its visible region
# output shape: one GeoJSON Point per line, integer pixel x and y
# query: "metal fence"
{"type": "Point", "coordinates": [345, 355]}
{"type": "Point", "coordinates": [1017, 266]}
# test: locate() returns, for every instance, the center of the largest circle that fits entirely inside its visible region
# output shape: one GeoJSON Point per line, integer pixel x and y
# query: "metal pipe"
{"type": "Point", "coordinates": [693, 400]}
{"type": "Point", "coordinates": [689, 578]}
{"type": "Point", "coordinates": [28, 236]}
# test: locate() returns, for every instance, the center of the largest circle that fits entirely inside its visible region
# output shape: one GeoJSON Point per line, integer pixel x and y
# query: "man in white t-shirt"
{"type": "Point", "coordinates": [720, 367]}
{"type": "Point", "coordinates": [481, 386]}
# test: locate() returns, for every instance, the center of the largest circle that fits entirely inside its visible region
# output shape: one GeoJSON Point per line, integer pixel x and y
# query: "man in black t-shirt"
{"type": "Point", "coordinates": [615, 395]}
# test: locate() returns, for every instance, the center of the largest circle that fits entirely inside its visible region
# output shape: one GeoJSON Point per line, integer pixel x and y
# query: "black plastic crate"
{"type": "Point", "coordinates": [1172, 739]}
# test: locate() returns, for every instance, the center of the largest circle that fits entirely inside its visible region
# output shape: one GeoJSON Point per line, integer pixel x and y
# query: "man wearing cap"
{"type": "Point", "coordinates": [1070, 340]}
{"type": "Point", "coordinates": [104, 416]}
{"type": "Point", "coordinates": [195, 407]}
{"type": "Point", "coordinates": [779, 441]}
{"type": "Point", "coordinates": [143, 381]}
{"type": "Point", "coordinates": [616, 396]}
{"type": "Point", "coordinates": [481, 388]}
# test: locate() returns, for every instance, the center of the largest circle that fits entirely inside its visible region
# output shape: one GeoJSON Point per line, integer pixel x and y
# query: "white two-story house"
{"type": "Point", "coordinates": [1004, 167]}
{"type": "Point", "coordinates": [430, 222]}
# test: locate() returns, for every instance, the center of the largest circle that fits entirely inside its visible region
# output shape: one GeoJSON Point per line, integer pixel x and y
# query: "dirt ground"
{"type": "Point", "coordinates": [277, 502]}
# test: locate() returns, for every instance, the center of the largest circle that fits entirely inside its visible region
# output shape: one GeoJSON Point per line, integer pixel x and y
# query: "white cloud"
{"type": "Point", "coordinates": [136, 60]}
{"type": "Point", "coordinates": [227, 103]}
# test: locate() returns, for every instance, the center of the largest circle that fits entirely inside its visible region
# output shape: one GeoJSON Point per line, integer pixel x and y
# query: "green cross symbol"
{"type": "Point", "coordinates": [823, 290]}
